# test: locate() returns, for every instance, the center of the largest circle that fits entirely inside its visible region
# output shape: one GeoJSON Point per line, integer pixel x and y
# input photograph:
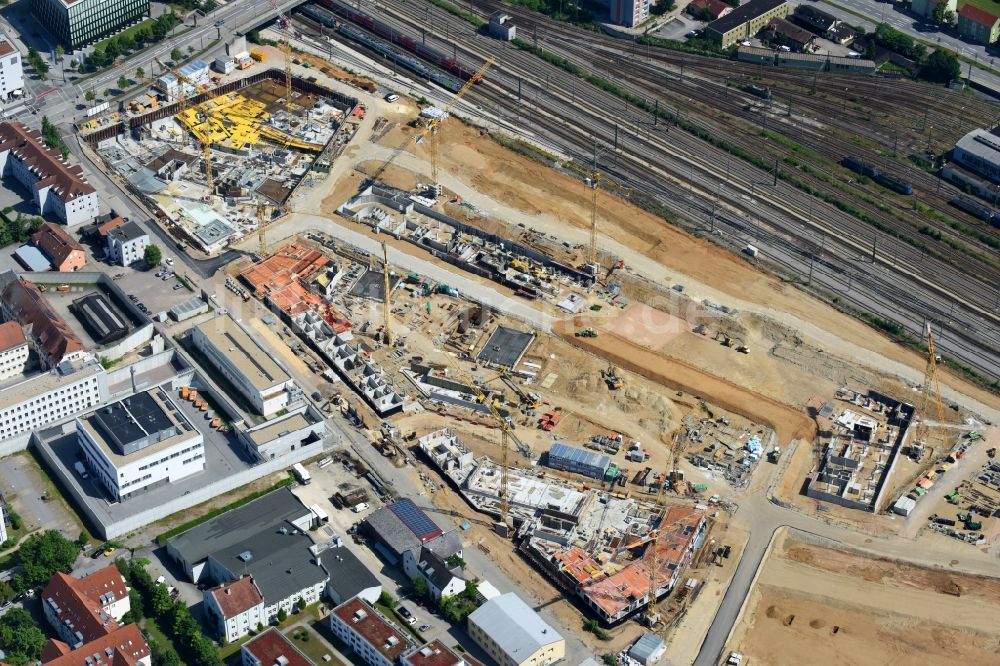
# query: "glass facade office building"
{"type": "Point", "coordinates": [77, 23]}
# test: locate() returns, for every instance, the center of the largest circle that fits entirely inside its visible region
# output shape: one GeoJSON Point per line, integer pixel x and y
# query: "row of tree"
{"type": "Point", "coordinates": [52, 137]}
{"type": "Point", "coordinates": [172, 617]}
{"type": "Point", "coordinates": [941, 66]}
{"type": "Point", "coordinates": [105, 54]}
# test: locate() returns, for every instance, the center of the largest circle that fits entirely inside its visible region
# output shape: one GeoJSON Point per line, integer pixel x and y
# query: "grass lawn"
{"type": "Point", "coordinates": [312, 647]}
{"type": "Point", "coordinates": [128, 31]}
{"type": "Point", "coordinates": [990, 6]}
{"type": "Point", "coordinates": [155, 634]}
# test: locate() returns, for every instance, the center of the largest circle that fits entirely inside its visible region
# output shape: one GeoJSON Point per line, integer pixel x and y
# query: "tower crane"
{"type": "Point", "coordinates": [206, 144]}
{"type": "Point", "coordinates": [673, 477]}
{"type": "Point", "coordinates": [932, 392]}
{"type": "Point", "coordinates": [431, 127]}
{"type": "Point", "coordinates": [386, 306]}
{"type": "Point", "coordinates": [286, 50]}
{"type": "Point", "coordinates": [595, 185]}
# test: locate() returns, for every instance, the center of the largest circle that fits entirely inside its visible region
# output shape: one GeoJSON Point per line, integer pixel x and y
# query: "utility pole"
{"type": "Point", "coordinates": [775, 183]}
{"type": "Point", "coordinates": [656, 112]}
{"type": "Point", "coordinates": [616, 137]}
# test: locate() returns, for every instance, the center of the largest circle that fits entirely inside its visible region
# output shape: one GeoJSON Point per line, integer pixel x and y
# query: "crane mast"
{"type": "Point", "coordinates": [386, 306]}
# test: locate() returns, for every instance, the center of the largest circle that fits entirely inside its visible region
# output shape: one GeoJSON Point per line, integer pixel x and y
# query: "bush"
{"type": "Point", "coordinates": [282, 615]}
{"type": "Point", "coordinates": [387, 600]}
{"type": "Point", "coordinates": [41, 556]}
{"type": "Point", "coordinates": [20, 638]}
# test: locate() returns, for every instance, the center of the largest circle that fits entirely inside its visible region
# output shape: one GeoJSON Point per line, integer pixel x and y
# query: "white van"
{"type": "Point", "coordinates": [391, 97]}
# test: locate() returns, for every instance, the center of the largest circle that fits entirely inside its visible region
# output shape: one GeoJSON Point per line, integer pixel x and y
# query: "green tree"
{"type": "Point", "coordinates": [301, 603]}
{"type": "Point", "coordinates": [60, 51]}
{"type": "Point", "coordinates": [122, 82]}
{"type": "Point", "coordinates": [941, 66]}
{"type": "Point", "coordinates": [176, 55]}
{"type": "Point", "coordinates": [282, 615]}
{"type": "Point", "coordinates": [73, 64]}
{"type": "Point", "coordinates": [140, 73]}
{"type": "Point", "coordinates": [20, 637]}
{"type": "Point", "coordinates": [938, 14]}
{"type": "Point", "coordinates": [127, 42]}
{"type": "Point", "coordinates": [387, 600]}
{"type": "Point", "coordinates": [455, 561]}
{"type": "Point", "coordinates": [41, 556]}
{"type": "Point", "coordinates": [190, 50]}
{"type": "Point", "coordinates": [113, 48]}
{"type": "Point", "coordinates": [6, 592]}
{"type": "Point", "coordinates": [153, 256]}
{"type": "Point", "coordinates": [418, 586]}
{"type": "Point", "coordinates": [90, 96]}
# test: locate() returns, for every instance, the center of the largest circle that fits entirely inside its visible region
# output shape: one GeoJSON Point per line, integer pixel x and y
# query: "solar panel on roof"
{"type": "Point", "coordinates": [415, 519]}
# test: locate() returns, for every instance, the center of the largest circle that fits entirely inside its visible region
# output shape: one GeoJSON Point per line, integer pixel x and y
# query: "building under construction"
{"type": "Point", "coordinates": [593, 545]}
{"type": "Point", "coordinates": [220, 161]}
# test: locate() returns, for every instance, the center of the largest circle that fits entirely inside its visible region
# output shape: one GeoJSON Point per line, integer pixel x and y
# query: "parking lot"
{"type": "Point", "coordinates": [23, 487]}
{"type": "Point", "coordinates": [157, 290]}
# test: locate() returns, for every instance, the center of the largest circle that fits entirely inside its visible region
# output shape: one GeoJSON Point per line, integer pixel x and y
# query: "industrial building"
{"type": "Point", "coordinates": [502, 27]}
{"type": "Point", "coordinates": [247, 541]}
{"type": "Point", "coordinates": [140, 443]}
{"type": "Point", "coordinates": [513, 634]}
{"type": "Point", "coordinates": [63, 251]}
{"type": "Point", "coordinates": [13, 350]}
{"type": "Point", "coordinates": [745, 21]}
{"type": "Point", "coordinates": [272, 648]}
{"type": "Point", "coordinates": [127, 243]}
{"type": "Point", "coordinates": [51, 396]}
{"type": "Point", "coordinates": [11, 70]}
{"type": "Point", "coordinates": [399, 531]}
{"type": "Point", "coordinates": [81, 610]}
{"type": "Point", "coordinates": [979, 150]}
{"type": "Point", "coordinates": [97, 316]}
{"type": "Point", "coordinates": [245, 365]}
{"type": "Point", "coordinates": [647, 650]}
{"type": "Point", "coordinates": [371, 635]}
{"type": "Point", "coordinates": [578, 461]}
{"type": "Point", "coordinates": [77, 23]}
{"type": "Point", "coordinates": [349, 577]}
{"type": "Point", "coordinates": [56, 188]}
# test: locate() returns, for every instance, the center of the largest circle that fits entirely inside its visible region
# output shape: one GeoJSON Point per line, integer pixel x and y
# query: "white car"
{"type": "Point", "coordinates": [161, 580]}
{"type": "Point", "coordinates": [391, 97]}
{"type": "Point", "coordinates": [358, 508]}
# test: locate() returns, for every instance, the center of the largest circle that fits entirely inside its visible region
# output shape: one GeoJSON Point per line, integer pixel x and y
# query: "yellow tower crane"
{"type": "Point", "coordinates": [286, 50]}
{"type": "Point", "coordinates": [432, 126]}
{"type": "Point", "coordinates": [672, 478]}
{"type": "Point", "coordinates": [386, 305]}
{"type": "Point", "coordinates": [595, 185]}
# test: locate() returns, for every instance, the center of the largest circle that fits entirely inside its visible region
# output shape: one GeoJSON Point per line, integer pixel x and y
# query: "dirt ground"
{"type": "Point", "coordinates": [823, 606]}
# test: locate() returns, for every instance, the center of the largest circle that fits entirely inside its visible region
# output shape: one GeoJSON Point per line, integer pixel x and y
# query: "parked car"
{"type": "Point", "coordinates": [391, 97]}
{"type": "Point", "coordinates": [404, 613]}
{"type": "Point", "coordinates": [358, 508]}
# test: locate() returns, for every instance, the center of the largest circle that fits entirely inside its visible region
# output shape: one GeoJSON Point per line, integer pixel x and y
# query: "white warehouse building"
{"type": "Point", "coordinates": [247, 366]}
{"type": "Point", "coordinates": [140, 442]}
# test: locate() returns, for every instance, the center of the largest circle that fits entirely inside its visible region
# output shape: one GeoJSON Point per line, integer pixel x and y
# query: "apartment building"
{"type": "Point", "coordinates": [745, 21]}
{"type": "Point", "coordinates": [236, 608]}
{"type": "Point", "coordinates": [372, 637]}
{"type": "Point", "coordinates": [127, 244]}
{"type": "Point", "coordinates": [81, 610]}
{"type": "Point", "coordinates": [14, 350]}
{"type": "Point", "coordinates": [63, 251]}
{"type": "Point", "coordinates": [11, 72]}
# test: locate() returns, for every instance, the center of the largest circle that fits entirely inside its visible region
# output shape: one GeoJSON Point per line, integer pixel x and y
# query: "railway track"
{"type": "Point", "coordinates": [550, 94]}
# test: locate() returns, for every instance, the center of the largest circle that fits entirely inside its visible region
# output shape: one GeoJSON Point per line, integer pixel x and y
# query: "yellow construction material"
{"type": "Point", "coordinates": [234, 121]}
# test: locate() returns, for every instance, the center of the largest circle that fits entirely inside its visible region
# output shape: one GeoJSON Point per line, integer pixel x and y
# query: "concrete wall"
{"type": "Point", "coordinates": [195, 497]}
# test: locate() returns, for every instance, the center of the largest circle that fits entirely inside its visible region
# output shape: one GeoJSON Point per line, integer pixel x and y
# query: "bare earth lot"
{"type": "Point", "coordinates": [814, 605]}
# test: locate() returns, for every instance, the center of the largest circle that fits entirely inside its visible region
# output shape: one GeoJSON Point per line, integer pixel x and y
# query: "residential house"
{"type": "Point", "coordinates": [436, 653]}
{"type": "Point", "coordinates": [272, 648]}
{"type": "Point", "coordinates": [978, 25]}
{"type": "Point", "coordinates": [709, 10]}
{"type": "Point", "coordinates": [443, 580]}
{"type": "Point", "coordinates": [374, 639]}
{"type": "Point", "coordinates": [925, 8]}
{"type": "Point", "coordinates": [62, 250]}
{"type": "Point", "coordinates": [745, 21]}
{"type": "Point", "coordinates": [236, 608]}
{"type": "Point", "coordinates": [127, 243]}
{"type": "Point", "coordinates": [13, 350]}
{"type": "Point", "coordinates": [56, 188]}
{"type": "Point", "coordinates": [124, 646]}
{"type": "Point", "coordinates": [82, 610]}
{"type": "Point", "coordinates": [816, 20]}
{"type": "Point", "coordinates": [786, 33]}
{"type": "Point", "coordinates": [53, 339]}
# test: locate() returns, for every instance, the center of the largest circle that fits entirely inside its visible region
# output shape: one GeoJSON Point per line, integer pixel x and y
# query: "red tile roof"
{"type": "Point", "coordinates": [81, 602]}
{"type": "Point", "coordinates": [64, 251]}
{"type": "Point", "coordinates": [977, 15]}
{"type": "Point", "coordinates": [46, 163]}
{"type": "Point", "coordinates": [123, 647]}
{"type": "Point", "coordinates": [236, 597]}
{"type": "Point", "coordinates": [271, 645]}
{"type": "Point", "coordinates": [371, 626]}
{"type": "Point", "coordinates": [11, 336]}
{"type": "Point", "coordinates": [437, 653]}
{"type": "Point", "coordinates": [6, 47]}
{"type": "Point", "coordinates": [52, 333]}
{"type": "Point", "coordinates": [714, 7]}
{"type": "Point", "coordinates": [103, 229]}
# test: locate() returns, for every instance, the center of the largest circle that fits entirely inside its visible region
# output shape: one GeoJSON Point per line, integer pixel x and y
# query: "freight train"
{"type": "Point", "coordinates": [979, 210]}
{"type": "Point", "coordinates": [396, 37]}
{"type": "Point", "coordinates": [883, 179]}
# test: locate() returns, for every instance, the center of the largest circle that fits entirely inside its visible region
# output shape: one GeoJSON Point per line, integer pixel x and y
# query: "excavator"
{"type": "Point", "coordinates": [611, 378]}
{"type": "Point", "coordinates": [729, 341]}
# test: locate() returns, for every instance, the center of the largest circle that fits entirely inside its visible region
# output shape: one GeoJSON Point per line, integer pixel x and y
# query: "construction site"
{"type": "Point", "coordinates": [220, 162]}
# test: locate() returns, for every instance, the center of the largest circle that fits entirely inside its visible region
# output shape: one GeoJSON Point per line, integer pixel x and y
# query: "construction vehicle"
{"type": "Point", "coordinates": [586, 333]}
{"type": "Point", "coordinates": [519, 264]}
{"type": "Point", "coordinates": [724, 338]}
{"type": "Point", "coordinates": [529, 400]}
{"type": "Point", "coordinates": [432, 125]}
{"type": "Point", "coordinates": [611, 378]}
{"type": "Point", "coordinates": [742, 348]}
